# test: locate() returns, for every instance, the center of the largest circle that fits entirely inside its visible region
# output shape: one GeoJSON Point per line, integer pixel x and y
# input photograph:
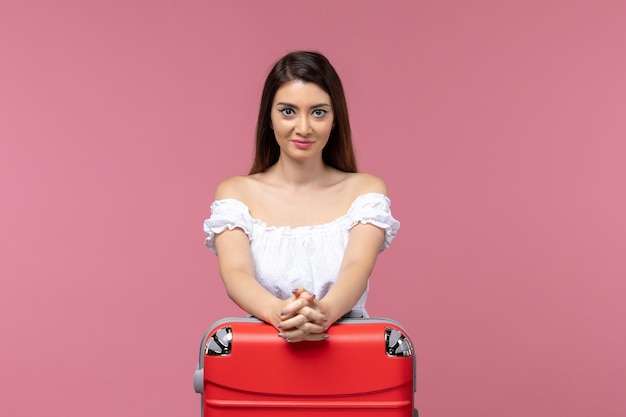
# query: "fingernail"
{"type": "Point", "coordinates": [295, 290]}
{"type": "Point", "coordinates": [280, 326]}
{"type": "Point", "coordinates": [281, 335]}
{"type": "Point", "coordinates": [325, 328]}
{"type": "Point", "coordinates": [282, 313]}
{"type": "Point", "coordinates": [288, 340]}
{"type": "Point", "coordinates": [325, 336]}
{"type": "Point", "coordinates": [325, 319]}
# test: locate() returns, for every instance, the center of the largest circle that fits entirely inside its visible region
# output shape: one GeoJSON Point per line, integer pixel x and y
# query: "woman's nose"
{"type": "Point", "coordinates": [303, 126]}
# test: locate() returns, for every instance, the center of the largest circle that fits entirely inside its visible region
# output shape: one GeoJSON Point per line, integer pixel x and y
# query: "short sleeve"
{"type": "Point", "coordinates": [375, 208]}
{"type": "Point", "coordinates": [226, 214]}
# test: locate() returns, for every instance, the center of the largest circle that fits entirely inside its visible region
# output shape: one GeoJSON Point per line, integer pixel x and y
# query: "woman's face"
{"type": "Point", "coordinates": [302, 119]}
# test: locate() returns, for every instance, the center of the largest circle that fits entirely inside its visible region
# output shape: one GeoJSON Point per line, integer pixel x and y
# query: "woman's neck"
{"type": "Point", "coordinates": [300, 175]}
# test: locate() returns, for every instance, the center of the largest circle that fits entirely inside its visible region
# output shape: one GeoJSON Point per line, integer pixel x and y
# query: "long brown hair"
{"type": "Point", "coordinates": [315, 68]}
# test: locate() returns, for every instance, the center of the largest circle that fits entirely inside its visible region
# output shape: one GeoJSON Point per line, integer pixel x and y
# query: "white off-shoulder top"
{"type": "Point", "coordinates": [308, 256]}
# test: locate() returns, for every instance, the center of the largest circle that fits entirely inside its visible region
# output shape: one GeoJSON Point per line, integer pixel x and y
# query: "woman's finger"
{"type": "Point", "coordinates": [315, 337]}
{"type": "Point", "coordinates": [313, 315]}
{"type": "Point", "coordinates": [308, 331]}
{"type": "Point", "coordinates": [293, 307]}
{"type": "Point", "coordinates": [297, 291]}
{"type": "Point", "coordinates": [304, 293]}
{"type": "Point", "coordinates": [294, 322]}
{"type": "Point", "coordinates": [301, 323]}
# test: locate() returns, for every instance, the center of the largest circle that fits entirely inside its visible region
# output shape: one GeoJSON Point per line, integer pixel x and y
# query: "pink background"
{"type": "Point", "coordinates": [499, 127]}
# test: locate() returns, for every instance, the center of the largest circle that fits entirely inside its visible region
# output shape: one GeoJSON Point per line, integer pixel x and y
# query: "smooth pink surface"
{"type": "Point", "coordinates": [499, 127]}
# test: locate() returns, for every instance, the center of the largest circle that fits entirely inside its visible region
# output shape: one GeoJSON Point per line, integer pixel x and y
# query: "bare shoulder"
{"type": "Point", "coordinates": [363, 183]}
{"type": "Point", "coordinates": [234, 187]}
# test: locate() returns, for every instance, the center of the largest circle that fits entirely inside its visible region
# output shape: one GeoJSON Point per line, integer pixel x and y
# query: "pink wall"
{"type": "Point", "coordinates": [499, 127]}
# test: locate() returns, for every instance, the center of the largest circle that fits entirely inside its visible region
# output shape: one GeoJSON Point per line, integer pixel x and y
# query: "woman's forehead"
{"type": "Point", "coordinates": [301, 91]}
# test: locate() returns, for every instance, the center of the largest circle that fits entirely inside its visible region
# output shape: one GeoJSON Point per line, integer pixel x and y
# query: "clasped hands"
{"type": "Point", "coordinates": [302, 318]}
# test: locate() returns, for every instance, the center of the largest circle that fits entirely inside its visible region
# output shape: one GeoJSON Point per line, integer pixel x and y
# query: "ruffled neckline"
{"type": "Point", "coordinates": [316, 227]}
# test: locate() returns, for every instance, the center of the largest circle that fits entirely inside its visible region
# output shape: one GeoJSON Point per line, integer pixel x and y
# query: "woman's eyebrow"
{"type": "Point", "coordinates": [315, 106]}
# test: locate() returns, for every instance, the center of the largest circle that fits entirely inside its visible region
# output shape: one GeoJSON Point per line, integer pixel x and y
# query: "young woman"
{"type": "Point", "coordinates": [297, 238]}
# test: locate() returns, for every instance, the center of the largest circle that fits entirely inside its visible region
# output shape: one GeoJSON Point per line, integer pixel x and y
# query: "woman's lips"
{"type": "Point", "coordinates": [302, 144]}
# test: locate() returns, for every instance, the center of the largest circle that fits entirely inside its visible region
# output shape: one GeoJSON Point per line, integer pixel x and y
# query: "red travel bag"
{"type": "Point", "coordinates": [366, 367]}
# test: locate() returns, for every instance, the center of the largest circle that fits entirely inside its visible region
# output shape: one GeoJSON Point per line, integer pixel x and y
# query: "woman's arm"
{"type": "Point", "coordinates": [237, 272]}
{"type": "Point", "coordinates": [235, 262]}
{"type": "Point", "coordinates": [358, 263]}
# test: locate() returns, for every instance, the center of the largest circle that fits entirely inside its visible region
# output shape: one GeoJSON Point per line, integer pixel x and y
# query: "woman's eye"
{"type": "Point", "coordinates": [319, 112]}
{"type": "Point", "coordinates": [287, 112]}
